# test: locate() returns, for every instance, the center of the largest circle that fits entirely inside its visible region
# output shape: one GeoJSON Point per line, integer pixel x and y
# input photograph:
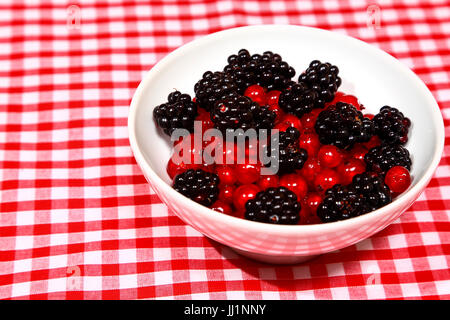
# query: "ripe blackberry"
{"type": "Point", "coordinates": [267, 70]}
{"type": "Point", "coordinates": [342, 125]}
{"type": "Point", "coordinates": [340, 203]}
{"type": "Point", "coordinates": [297, 99]}
{"type": "Point", "coordinates": [382, 158]}
{"type": "Point", "coordinates": [274, 205]}
{"type": "Point", "coordinates": [198, 185]}
{"type": "Point", "coordinates": [375, 192]}
{"type": "Point", "coordinates": [178, 112]}
{"type": "Point", "coordinates": [391, 126]}
{"type": "Point", "coordinates": [240, 112]}
{"type": "Point", "coordinates": [290, 156]}
{"type": "Point", "coordinates": [264, 118]}
{"type": "Point", "coordinates": [212, 87]}
{"type": "Point", "coordinates": [322, 78]}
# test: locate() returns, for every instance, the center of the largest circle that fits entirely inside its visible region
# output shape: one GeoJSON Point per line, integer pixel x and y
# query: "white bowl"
{"type": "Point", "coordinates": [374, 76]}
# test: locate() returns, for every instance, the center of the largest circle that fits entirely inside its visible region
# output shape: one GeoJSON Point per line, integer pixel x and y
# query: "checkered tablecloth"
{"type": "Point", "coordinates": [79, 221]}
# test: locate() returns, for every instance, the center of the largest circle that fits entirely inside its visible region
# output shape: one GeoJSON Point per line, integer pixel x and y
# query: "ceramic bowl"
{"type": "Point", "coordinates": [372, 75]}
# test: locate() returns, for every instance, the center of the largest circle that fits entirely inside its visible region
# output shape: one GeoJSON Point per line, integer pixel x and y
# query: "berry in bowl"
{"type": "Point", "coordinates": [276, 152]}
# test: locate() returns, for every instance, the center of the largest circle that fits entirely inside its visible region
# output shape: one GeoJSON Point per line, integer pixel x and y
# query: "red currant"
{"type": "Point", "coordinates": [296, 183]}
{"type": "Point", "coordinates": [313, 201]}
{"type": "Point", "coordinates": [174, 169]}
{"type": "Point", "coordinates": [309, 119]}
{"type": "Point", "coordinates": [272, 97]}
{"type": "Point", "coordinates": [210, 148]}
{"type": "Point", "coordinates": [256, 93]}
{"type": "Point", "coordinates": [329, 156]}
{"type": "Point", "coordinates": [398, 179]}
{"type": "Point", "coordinates": [293, 121]}
{"type": "Point", "coordinates": [222, 207]}
{"type": "Point", "coordinates": [350, 168]}
{"type": "Point", "coordinates": [226, 174]}
{"type": "Point", "coordinates": [188, 143]}
{"type": "Point", "coordinates": [310, 169]}
{"type": "Point", "coordinates": [358, 152]}
{"type": "Point", "coordinates": [229, 154]}
{"type": "Point", "coordinates": [268, 181]}
{"type": "Point", "coordinates": [247, 173]}
{"type": "Point", "coordinates": [251, 151]}
{"type": "Point", "coordinates": [310, 142]}
{"type": "Point", "coordinates": [326, 179]}
{"type": "Point", "coordinates": [244, 193]}
{"type": "Point", "coordinates": [226, 193]}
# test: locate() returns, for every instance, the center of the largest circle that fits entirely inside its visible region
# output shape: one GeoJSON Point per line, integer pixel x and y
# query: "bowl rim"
{"type": "Point", "coordinates": [402, 199]}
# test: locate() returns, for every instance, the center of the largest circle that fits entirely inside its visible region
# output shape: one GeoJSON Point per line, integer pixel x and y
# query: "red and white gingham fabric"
{"type": "Point", "coordinates": [79, 221]}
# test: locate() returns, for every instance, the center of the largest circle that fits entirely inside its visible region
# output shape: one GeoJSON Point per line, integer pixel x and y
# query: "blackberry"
{"type": "Point", "coordinates": [274, 205]}
{"type": "Point", "coordinates": [391, 126]}
{"type": "Point", "coordinates": [240, 112]}
{"type": "Point", "coordinates": [264, 118]}
{"type": "Point", "coordinates": [178, 112]}
{"type": "Point", "coordinates": [198, 185]}
{"type": "Point", "coordinates": [342, 125]}
{"type": "Point", "coordinates": [382, 158]}
{"type": "Point", "coordinates": [340, 203]}
{"type": "Point", "coordinates": [297, 99]}
{"type": "Point", "coordinates": [322, 78]}
{"type": "Point", "coordinates": [290, 156]}
{"type": "Point", "coordinates": [267, 70]}
{"type": "Point", "coordinates": [374, 191]}
{"type": "Point", "coordinates": [212, 87]}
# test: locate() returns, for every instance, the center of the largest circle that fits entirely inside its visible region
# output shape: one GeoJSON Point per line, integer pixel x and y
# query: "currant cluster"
{"type": "Point", "coordinates": [334, 161]}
